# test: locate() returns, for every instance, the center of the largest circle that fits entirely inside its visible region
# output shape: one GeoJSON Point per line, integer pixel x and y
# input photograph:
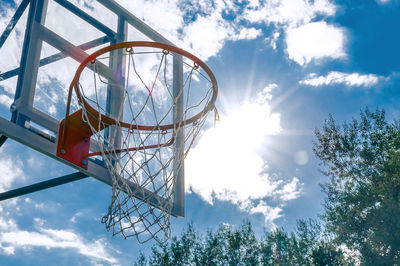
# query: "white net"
{"type": "Point", "coordinates": [150, 132]}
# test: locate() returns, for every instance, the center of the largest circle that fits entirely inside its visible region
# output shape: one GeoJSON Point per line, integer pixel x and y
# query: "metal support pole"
{"type": "Point", "coordinates": [42, 185]}
{"type": "Point", "coordinates": [178, 208]}
{"type": "Point", "coordinates": [30, 58]}
{"type": "Point", "coordinates": [116, 94]}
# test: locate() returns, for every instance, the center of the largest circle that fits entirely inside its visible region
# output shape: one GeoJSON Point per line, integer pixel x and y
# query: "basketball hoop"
{"type": "Point", "coordinates": [142, 120]}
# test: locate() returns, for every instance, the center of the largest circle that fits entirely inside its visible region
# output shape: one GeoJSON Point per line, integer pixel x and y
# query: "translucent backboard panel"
{"type": "Point", "coordinates": [35, 81]}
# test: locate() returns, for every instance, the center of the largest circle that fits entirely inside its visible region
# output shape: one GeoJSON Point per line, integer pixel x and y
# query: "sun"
{"type": "Point", "coordinates": [227, 160]}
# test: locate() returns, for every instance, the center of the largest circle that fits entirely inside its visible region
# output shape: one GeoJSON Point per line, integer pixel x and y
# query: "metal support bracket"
{"type": "Point", "coordinates": [42, 185]}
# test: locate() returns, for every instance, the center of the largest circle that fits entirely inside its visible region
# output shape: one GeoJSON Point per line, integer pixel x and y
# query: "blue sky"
{"type": "Point", "coordinates": [282, 68]}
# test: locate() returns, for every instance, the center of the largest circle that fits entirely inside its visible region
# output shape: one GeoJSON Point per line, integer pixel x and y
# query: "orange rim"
{"type": "Point", "coordinates": [111, 121]}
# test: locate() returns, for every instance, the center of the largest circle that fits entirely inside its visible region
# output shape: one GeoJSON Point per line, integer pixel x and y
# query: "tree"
{"type": "Point", "coordinates": [180, 251]}
{"type": "Point", "coordinates": [308, 235]}
{"type": "Point", "coordinates": [362, 207]}
{"type": "Point", "coordinates": [229, 246]}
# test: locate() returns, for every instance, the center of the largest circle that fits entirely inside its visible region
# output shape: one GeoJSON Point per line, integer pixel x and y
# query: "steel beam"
{"type": "Point", "coordinates": [92, 21]}
{"type": "Point", "coordinates": [134, 21]}
{"type": "Point", "coordinates": [42, 185]}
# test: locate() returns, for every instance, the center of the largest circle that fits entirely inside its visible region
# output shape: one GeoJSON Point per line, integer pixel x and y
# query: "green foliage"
{"type": "Point", "coordinates": [327, 254]}
{"type": "Point", "coordinates": [362, 207]}
{"type": "Point", "coordinates": [229, 246]}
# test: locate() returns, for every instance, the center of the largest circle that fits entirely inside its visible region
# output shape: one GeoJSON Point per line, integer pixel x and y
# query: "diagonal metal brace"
{"type": "Point", "coordinates": [17, 15]}
{"type": "Point", "coordinates": [42, 185]}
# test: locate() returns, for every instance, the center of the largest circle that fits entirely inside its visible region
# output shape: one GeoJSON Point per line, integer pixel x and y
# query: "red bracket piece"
{"type": "Point", "coordinates": [74, 142]}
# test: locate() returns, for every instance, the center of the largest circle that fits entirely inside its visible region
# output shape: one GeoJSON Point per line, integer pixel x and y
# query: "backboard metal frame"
{"type": "Point", "coordinates": [24, 115]}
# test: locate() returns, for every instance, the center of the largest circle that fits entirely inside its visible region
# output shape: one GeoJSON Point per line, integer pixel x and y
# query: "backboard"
{"type": "Point", "coordinates": [51, 52]}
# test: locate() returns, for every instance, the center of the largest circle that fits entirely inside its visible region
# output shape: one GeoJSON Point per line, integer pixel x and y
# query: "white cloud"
{"type": "Point", "coordinates": [270, 213]}
{"type": "Point", "coordinates": [314, 41]}
{"type": "Point", "coordinates": [35, 161]}
{"type": "Point", "coordinates": [11, 170]}
{"type": "Point", "coordinates": [11, 50]}
{"type": "Point", "coordinates": [273, 40]}
{"type": "Point", "coordinates": [227, 163]}
{"type": "Point", "coordinates": [265, 96]}
{"type": "Point", "coordinates": [209, 31]}
{"type": "Point", "coordinates": [76, 215]}
{"type": "Point", "coordinates": [248, 34]}
{"type": "Point", "coordinates": [39, 222]}
{"type": "Point", "coordinates": [348, 79]}
{"type": "Point", "coordinates": [288, 12]}
{"type": "Point", "coordinates": [165, 16]}
{"type": "Point", "coordinates": [305, 39]}
{"type": "Point", "coordinates": [12, 238]}
{"type": "Point", "coordinates": [5, 100]}
{"type": "Point", "coordinates": [207, 35]}
{"type": "Point", "coordinates": [198, 26]}
{"type": "Point", "coordinates": [290, 190]}
{"type": "Point", "coordinates": [9, 225]}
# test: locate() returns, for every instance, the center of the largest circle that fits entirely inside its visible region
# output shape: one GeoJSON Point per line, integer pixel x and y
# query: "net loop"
{"type": "Point", "coordinates": [129, 50]}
